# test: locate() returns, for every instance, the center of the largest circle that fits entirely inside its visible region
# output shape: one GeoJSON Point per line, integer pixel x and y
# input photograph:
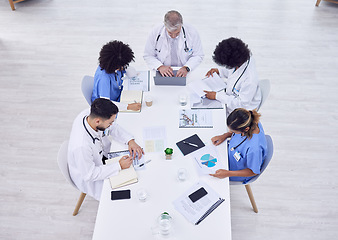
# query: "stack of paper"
{"type": "Point", "coordinates": [196, 212]}
{"type": "Point", "coordinates": [213, 83]}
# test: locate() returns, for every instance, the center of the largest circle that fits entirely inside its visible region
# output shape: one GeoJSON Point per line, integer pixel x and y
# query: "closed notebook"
{"type": "Point", "coordinates": [124, 177]}
{"type": "Point", "coordinates": [131, 96]}
{"type": "Point", "coordinates": [190, 144]}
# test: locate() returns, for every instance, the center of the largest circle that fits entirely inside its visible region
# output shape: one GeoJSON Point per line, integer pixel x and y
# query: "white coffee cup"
{"type": "Point", "coordinates": [149, 101]}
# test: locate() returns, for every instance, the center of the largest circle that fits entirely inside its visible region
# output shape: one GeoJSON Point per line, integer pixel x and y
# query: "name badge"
{"type": "Point", "coordinates": [237, 156]}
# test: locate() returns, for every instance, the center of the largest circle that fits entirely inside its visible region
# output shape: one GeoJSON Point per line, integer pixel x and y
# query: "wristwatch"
{"type": "Point", "coordinates": [188, 69]}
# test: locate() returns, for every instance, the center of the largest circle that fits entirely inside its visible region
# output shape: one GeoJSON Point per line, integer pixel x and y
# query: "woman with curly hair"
{"type": "Point", "coordinates": [239, 69]}
{"type": "Point", "coordinates": [247, 147]}
{"type": "Point", "coordinates": [114, 57]}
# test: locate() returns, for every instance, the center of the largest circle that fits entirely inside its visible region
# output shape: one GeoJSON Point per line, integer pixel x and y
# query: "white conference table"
{"type": "Point", "coordinates": [133, 219]}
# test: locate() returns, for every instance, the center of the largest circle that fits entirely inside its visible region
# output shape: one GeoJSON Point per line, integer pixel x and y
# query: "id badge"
{"type": "Point", "coordinates": [237, 156]}
{"type": "Point", "coordinates": [105, 132]}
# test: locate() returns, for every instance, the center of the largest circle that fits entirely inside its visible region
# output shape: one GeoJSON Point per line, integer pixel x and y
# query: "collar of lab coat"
{"type": "Point", "coordinates": [240, 70]}
{"type": "Point", "coordinates": [95, 134]}
{"type": "Point", "coordinates": [166, 37]}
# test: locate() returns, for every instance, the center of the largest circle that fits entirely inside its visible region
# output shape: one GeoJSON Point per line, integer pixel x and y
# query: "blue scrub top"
{"type": "Point", "coordinates": [253, 152]}
{"type": "Point", "coordinates": [107, 85]}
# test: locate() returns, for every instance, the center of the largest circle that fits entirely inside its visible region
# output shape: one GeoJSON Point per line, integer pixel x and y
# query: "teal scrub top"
{"type": "Point", "coordinates": [252, 151]}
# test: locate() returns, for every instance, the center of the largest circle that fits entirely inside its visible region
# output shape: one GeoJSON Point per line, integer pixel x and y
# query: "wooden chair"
{"type": "Point", "coordinates": [63, 165]}
{"type": "Point", "coordinates": [11, 2]}
{"type": "Point", "coordinates": [333, 1]}
{"type": "Point", "coordinates": [265, 164]}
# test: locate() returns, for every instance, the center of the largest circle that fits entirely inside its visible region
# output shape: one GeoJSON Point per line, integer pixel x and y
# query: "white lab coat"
{"type": "Point", "coordinates": [156, 52]}
{"type": "Point", "coordinates": [249, 93]}
{"type": "Point", "coordinates": [85, 158]}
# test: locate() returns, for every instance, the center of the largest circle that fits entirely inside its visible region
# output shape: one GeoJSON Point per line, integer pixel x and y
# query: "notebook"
{"type": "Point", "coordinates": [190, 144]}
{"type": "Point", "coordinates": [173, 81]}
{"type": "Point", "coordinates": [131, 96]}
{"type": "Point", "coordinates": [124, 177]}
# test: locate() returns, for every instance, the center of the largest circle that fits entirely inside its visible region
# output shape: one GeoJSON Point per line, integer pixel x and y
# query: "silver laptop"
{"type": "Point", "coordinates": [173, 81]}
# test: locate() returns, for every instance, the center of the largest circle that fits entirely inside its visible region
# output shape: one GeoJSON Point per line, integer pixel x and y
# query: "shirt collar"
{"type": "Point", "coordinates": [91, 130]}
{"type": "Point", "coordinates": [170, 38]}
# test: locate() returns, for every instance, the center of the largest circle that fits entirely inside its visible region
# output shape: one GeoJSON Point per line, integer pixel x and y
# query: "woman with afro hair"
{"type": "Point", "coordinates": [115, 57]}
{"type": "Point", "coordinates": [238, 68]}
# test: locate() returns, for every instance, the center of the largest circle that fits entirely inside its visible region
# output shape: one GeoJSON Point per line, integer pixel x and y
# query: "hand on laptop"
{"type": "Point", "coordinates": [182, 72]}
{"type": "Point", "coordinates": [166, 71]}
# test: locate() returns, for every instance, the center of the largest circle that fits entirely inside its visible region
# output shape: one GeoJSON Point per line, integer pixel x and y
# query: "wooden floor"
{"type": "Point", "coordinates": [47, 46]}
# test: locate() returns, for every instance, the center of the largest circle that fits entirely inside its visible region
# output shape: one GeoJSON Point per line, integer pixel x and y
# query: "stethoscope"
{"type": "Point", "coordinates": [186, 49]}
{"type": "Point", "coordinates": [233, 88]}
{"type": "Point", "coordinates": [234, 148]}
{"type": "Point", "coordinates": [116, 77]}
{"type": "Point", "coordinates": [88, 131]}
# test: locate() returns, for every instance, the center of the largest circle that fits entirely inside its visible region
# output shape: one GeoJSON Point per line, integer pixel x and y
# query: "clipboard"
{"type": "Point", "coordinates": [187, 148]}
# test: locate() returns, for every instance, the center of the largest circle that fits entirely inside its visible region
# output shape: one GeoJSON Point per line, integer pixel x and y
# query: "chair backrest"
{"type": "Point", "coordinates": [267, 158]}
{"type": "Point", "coordinates": [264, 85]}
{"type": "Point", "coordinates": [87, 88]}
{"type": "Point", "coordinates": [63, 162]}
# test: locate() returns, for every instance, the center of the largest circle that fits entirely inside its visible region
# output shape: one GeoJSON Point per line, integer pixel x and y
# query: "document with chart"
{"type": "Point", "coordinates": [190, 118]}
{"type": "Point", "coordinates": [207, 160]}
{"type": "Point", "coordinates": [198, 202]}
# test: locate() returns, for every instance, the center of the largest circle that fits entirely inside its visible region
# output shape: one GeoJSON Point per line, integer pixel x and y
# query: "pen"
{"type": "Point", "coordinates": [141, 165]}
{"type": "Point", "coordinates": [191, 144]}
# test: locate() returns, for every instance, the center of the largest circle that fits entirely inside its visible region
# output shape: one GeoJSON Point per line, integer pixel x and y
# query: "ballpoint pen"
{"type": "Point", "coordinates": [191, 144]}
{"type": "Point", "coordinates": [142, 164]}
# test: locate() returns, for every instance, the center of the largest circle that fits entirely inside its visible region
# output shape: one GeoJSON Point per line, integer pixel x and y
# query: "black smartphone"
{"type": "Point", "coordinates": [121, 194]}
{"type": "Point", "coordinates": [198, 194]}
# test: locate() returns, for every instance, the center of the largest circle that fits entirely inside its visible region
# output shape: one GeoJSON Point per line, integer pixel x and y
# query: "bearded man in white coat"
{"type": "Point", "coordinates": [173, 44]}
{"type": "Point", "coordinates": [89, 145]}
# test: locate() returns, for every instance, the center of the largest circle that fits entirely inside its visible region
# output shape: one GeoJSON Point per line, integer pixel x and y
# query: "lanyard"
{"type": "Point", "coordinates": [233, 88]}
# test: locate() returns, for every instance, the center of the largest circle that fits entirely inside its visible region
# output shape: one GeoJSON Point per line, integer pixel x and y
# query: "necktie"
{"type": "Point", "coordinates": [174, 58]}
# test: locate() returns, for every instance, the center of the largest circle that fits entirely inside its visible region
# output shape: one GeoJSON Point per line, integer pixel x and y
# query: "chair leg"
{"type": "Point", "coordinates": [317, 3]}
{"type": "Point", "coordinates": [12, 4]}
{"type": "Point", "coordinates": [79, 203]}
{"type": "Point", "coordinates": [252, 199]}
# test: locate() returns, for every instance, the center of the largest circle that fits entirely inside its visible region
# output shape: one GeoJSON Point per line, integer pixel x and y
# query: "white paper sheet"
{"type": "Point", "coordinates": [193, 211]}
{"type": "Point", "coordinates": [154, 139]}
{"type": "Point", "coordinates": [207, 160]}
